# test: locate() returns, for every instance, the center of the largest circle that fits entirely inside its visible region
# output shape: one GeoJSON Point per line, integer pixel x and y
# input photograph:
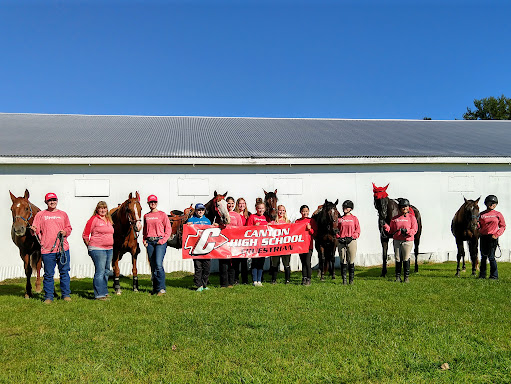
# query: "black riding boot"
{"type": "Point", "coordinates": [287, 273]}
{"type": "Point", "coordinates": [494, 274]}
{"type": "Point", "coordinates": [274, 272]}
{"type": "Point", "coordinates": [344, 267]}
{"type": "Point", "coordinates": [482, 268]}
{"type": "Point", "coordinates": [398, 271]}
{"type": "Point", "coordinates": [407, 270]}
{"type": "Point", "coordinates": [351, 272]}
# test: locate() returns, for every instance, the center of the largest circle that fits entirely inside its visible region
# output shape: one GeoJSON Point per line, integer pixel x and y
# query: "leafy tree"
{"type": "Point", "coordinates": [490, 108]}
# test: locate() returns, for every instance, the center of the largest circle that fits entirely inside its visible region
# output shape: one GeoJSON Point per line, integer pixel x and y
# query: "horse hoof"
{"type": "Point", "coordinates": [457, 274]}
{"type": "Point", "coordinates": [464, 270]}
{"type": "Point", "coordinates": [118, 293]}
{"type": "Point", "coordinates": [27, 296]}
{"type": "Point", "coordinates": [135, 290]}
{"type": "Point", "coordinates": [38, 290]}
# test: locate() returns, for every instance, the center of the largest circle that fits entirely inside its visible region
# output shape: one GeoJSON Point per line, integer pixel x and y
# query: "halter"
{"type": "Point", "coordinates": [21, 217]}
{"type": "Point", "coordinates": [132, 222]}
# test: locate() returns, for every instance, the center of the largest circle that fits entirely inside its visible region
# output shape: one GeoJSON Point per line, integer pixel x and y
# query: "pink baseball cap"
{"type": "Point", "coordinates": [152, 198]}
{"type": "Point", "coordinates": [49, 196]}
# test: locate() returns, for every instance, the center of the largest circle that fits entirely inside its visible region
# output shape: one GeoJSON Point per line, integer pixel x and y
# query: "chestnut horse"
{"type": "Point", "coordinates": [464, 228]}
{"type": "Point", "coordinates": [325, 238]}
{"type": "Point", "coordinates": [387, 209]}
{"type": "Point", "coordinates": [270, 202]}
{"type": "Point", "coordinates": [23, 213]}
{"type": "Point", "coordinates": [177, 219]}
{"type": "Point", "coordinates": [127, 225]}
{"type": "Point", "coordinates": [216, 210]}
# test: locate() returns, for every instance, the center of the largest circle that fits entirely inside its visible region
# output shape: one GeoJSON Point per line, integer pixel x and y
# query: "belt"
{"type": "Point", "coordinates": [154, 238]}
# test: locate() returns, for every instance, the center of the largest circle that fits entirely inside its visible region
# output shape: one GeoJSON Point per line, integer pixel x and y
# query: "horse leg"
{"type": "Point", "coordinates": [459, 256]}
{"type": "Point", "coordinates": [416, 252]}
{"type": "Point", "coordinates": [332, 262]}
{"type": "Point", "coordinates": [28, 274]}
{"type": "Point", "coordinates": [134, 271]}
{"type": "Point", "coordinates": [117, 273]}
{"type": "Point", "coordinates": [472, 244]}
{"type": "Point", "coordinates": [385, 247]}
{"type": "Point", "coordinates": [39, 263]}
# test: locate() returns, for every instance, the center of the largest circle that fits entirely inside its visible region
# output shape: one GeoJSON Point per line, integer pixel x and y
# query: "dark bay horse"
{"type": "Point", "coordinates": [127, 225]}
{"type": "Point", "coordinates": [177, 219]}
{"type": "Point", "coordinates": [464, 228]}
{"type": "Point", "coordinates": [325, 239]}
{"type": "Point", "coordinates": [387, 209]}
{"type": "Point", "coordinates": [23, 213]}
{"type": "Point", "coordinates": [270, 202]}
{"type": "Point", "coordinates": [216, 210]}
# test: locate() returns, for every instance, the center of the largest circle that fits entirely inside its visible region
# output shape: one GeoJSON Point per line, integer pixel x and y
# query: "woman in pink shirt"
{"type": "Point", "coordinates": [275, 260]}
{"type": "Point", "coordinates": [98, 236]}
{"type": "Point", "coordinates": [349, 231]}
{"type": "Point", "coordinates": [402, 228]}
{"type": "Point", "coordinates": [241, 208]}
{"type": "Point", "coordinates": [305, 258]}
{"type": "Point", "coordinates": [156, 232]}
{"type": "Point", "coordinates": [491, 226]}
{"type": "Point", "coordinates": [228, 267]}
{"type": "Point", "coordinates": [258, 218]}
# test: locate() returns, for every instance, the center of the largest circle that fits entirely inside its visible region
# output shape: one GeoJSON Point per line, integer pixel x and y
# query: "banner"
{"type": "Point", "coordinates": [208, 242]}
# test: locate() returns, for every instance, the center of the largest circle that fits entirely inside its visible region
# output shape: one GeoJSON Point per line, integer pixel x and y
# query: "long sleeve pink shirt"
{"type": "Point", "coordinates": [308, 220]}
{"type": "Point", "coordinates": [99, 233]}
{"type": "Point", "coordinates": [48, 225]}
{"type": "Point", "coordinates": [157, 224]}
{"type": "Point", "coordinates": [254, 218]}
{"type": "Point", "coordinates": [348, 226]}
{"type": "Point", "coordinates": [491, 222]}
{"type": "Point", "coordinates": [401, 221]}
{"type": "Point", "coordinates": [236, 220]}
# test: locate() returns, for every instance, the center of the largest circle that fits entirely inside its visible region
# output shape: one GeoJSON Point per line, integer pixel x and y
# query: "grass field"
{"type": "Point", "coordinates": [375, 331]}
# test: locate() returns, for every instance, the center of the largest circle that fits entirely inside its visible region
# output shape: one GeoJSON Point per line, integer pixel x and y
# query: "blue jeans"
{"type": "Point", "coordinates": [49, 262]}
{"type": "Point", "coordinates": [102, 259]}
{"type": "Point", "coordinates": [155, 254]}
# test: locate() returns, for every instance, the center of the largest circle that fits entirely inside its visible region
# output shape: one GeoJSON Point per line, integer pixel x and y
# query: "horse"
{"type": "Point", "coordinates": [270, 203]}
{"type": "Point", "coordinates": [387, 209]}
{"type": "Point", "coordinates": [177, 219]}
{"type": "Point", "coordinates": [464, 228]}
{"type": "Point", "coordinates": [216, 210]}
{"type": "Point", "coordinates": [326, 218]}
{"type": "Point", "coordinates": [127, 225]}
{"type": "Point", "coordinates": [23, 213]}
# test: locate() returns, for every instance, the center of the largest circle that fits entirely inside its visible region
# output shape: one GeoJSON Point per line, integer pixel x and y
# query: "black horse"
{"type": "Point", "coordinates": [464, 228]}
{"type": "Point", "coordinates": [387, 209]}
{"type": "Point", "coordinates": [270, 203]}
{"type": "Point", "coordinates": [326, 240]}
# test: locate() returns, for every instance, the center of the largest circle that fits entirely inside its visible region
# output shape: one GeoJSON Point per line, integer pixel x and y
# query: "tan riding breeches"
{"type": "Point", "coordinates": [348, 253]}
{"type": "Point", "coordinates": [402, 250]}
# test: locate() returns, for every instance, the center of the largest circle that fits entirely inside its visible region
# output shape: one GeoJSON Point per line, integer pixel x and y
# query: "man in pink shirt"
{"type": "Point", "coordinates": [491, 226]}
{"type": "Point", "coordinates": [52, 227]}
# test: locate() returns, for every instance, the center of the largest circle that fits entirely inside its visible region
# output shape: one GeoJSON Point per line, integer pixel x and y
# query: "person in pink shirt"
{"type": "Point", "coordinates": [156, 232]}
{"type": "Point", "coordinates": [52, 227]}
{"type": "Point", "coordinates": [286, 259]}
{"type": "Point", "coordinates": [258, 218]}
{"type": "Point", "coordinates": [98, 236]}
{"type": "Point", "coordinates": [349, 231]}
{"type": "Point", "coordinates": [242, 267]}
{"type": "Point", "coordinates": [227, 267]}
{"type": "Point", "coordinates": [491, 226]}
{"type": "Point", "coordinates": [241, 208]}
{"type": "Point", "coordinates": [402, 228]}
{"type": "Point", "coordinates": [305, 258]}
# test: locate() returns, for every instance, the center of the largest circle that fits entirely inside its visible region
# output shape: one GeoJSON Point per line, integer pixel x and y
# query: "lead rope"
{"type": "Point", "coordinates": [60, 253]}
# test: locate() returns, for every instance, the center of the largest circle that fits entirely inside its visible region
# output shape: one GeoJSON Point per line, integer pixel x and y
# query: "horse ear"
{"type": "Point", "coordinates": [27, 194]}
{"type": "Point", "coordinates": [275, 192]}
{"type": "Point", "coordinates": [265, 193]}
{"type": "Point", "coordinates": [374, 186]}
{"type": "Point", "coordinates": [12, 197]}
{"type": "Point", "coordinates": [477, 201]}
{"type": "Point", "coordinates": [138, 196]}
{"type": "Point", "coordinates": [215, 194]}
{"type": "Point", "coordinates": [336, 202]}
{"type": "Point", "coordinates": [464, 198]}
{"type": "Point", "coordinates": [326, 201]}
{"type": "Point", "coordinates": [385, 188]}
{"type": "Point", "coordinates": [225, 194]}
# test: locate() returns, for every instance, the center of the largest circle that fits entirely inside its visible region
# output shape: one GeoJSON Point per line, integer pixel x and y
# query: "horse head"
{"type": "Point", "coordinates": [132, 212]}
{"type": "Point", "coordinates": [381, 200]}
{"type": "Point", "coordinates": [23, 213]}
{"type": "Point", "coordinates": [329, 216]}
{"type": "Point", "coordinates": [471, 213]}
{"type": "Point", "coordinates": [270, 202]}
{"type": "Point", "coordinates": [216, 209]}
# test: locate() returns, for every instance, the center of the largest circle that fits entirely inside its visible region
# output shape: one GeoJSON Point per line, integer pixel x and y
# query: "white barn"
{"type": "Point", "coordinates": [183, 160]}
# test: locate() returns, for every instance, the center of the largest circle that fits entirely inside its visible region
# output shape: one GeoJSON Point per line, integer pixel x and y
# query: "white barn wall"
{"type": "Point", "coordinates": [436, 189]}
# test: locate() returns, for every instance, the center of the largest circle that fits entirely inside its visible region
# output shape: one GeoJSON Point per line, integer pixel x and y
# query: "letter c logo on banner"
{"type": "Point", "coordinates": [205, 241]}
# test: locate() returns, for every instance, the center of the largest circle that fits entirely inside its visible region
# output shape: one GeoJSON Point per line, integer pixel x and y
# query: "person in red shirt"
{"type": "Point", "coordinates": [156, 232]}
{"type": "Point", "coordinates": [52, 227]}
{"type": "Point", "coordinates": [242, 266]}
{"type": "Point", "coordinates": [349, 231]}
{"type": "Point", "coordinates": [402, 228]}
{"type": "Point", "coordinates": [491, 226]}
{"type": "Point", "coordinates": [228, 267]}
{"type": "Point", "coordinates": [258, 218]}
{"type": "Point", "coordinates": [98, 236]}
{"type": "Point", "coordinates": [305, 258]}
{"type": "Point", "coordinates": [275, 260]}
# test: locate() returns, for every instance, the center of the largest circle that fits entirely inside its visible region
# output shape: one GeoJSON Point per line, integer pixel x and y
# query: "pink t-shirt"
{"type": "Point", "coordinates": [99, 233]}
{"type": "Point", "coordinates": [314, 227]}
{"type": "Point", "coordinates": [401, 221]}
{"type": "Point", "coordinates": [48, 225]}
{"type": "Point", "coordinates": [157, 224]}
{"type": "Point", "coordinates": [254, 218]}
{"type": "Point", "coordinates": [236, 220]}
{"type": "Point", "coordinates": [491, 222]}
{"type": "Point", "coordinates": [348, 226]}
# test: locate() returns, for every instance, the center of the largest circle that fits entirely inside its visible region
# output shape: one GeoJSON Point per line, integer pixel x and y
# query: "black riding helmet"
{"type": "Point", "coordinates": [491, 199]}
{"type": "Point", "coordinates": [348, 204]}
{"type": "Point", "coordinates": [403, 202]}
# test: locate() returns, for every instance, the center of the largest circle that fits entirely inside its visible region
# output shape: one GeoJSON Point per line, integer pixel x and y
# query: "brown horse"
{"type": "Point", "coordinates": [325, 239]}
{"type": "Point", "coordinates": [270, 202]}
{"type": "Point", "coordinates": [177, 219]}
{"type": "Point", "coordinates": [216, 210]}
{"type": "Point", "coordinates": [387, 209]}
{"type": "Point", "coordinates": [23, 213]}
{"type": "Point", "coordinates": [127, 225]}
{"type": "Point", "coordinates": [464, 228]}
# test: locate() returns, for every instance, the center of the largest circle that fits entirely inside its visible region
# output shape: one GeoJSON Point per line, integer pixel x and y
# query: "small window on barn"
{"type": "Point", "coordinates": [92, 188]}
{"type": "Point", "coordinates": [193, 187]}
{"type": "Point", "coordinates": [461, 184]}
{"type": "Point", "coordinates": [288, 186]}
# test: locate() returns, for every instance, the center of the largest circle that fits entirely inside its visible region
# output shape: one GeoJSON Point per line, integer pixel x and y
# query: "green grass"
{"type": "Point", "coordinates": [375, 331]}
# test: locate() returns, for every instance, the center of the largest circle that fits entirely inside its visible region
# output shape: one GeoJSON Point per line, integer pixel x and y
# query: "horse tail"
{"type": "Point", "coordinates": [34, 259]}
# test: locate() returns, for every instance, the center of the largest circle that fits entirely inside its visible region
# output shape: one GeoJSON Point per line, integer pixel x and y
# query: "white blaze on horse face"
{"type": "Point", "coordinates": [18, 205]}
{"type": "Point", "coordinates": [223, 211]}
{"type": "Point", "coordinates": [136, 208]}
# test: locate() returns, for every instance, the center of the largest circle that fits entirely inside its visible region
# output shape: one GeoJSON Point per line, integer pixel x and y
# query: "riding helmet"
{"type": "Point", "coordinates": [348, 204]}
{"type": "Point", "coordinates": [491, 199]}
{"type": "Point", "coordinates": [403, 202]}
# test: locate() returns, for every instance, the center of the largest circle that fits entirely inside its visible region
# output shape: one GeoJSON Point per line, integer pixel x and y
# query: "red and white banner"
{"type": "Point", "coordinates": [208, 242]}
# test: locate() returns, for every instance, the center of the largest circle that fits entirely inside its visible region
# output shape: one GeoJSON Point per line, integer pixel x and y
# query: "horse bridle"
{"type": "Point", "coordinates": [21, 217]}
{"type": "Point", "coordinates": [133, 223]}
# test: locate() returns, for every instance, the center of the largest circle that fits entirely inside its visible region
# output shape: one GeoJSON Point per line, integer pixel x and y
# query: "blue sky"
{"type": "Point", "coordinates": [326, 59]}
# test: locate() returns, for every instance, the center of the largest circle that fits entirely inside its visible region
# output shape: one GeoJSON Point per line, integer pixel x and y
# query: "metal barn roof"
{"type": "Point", "coordinates": [83, 136]}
